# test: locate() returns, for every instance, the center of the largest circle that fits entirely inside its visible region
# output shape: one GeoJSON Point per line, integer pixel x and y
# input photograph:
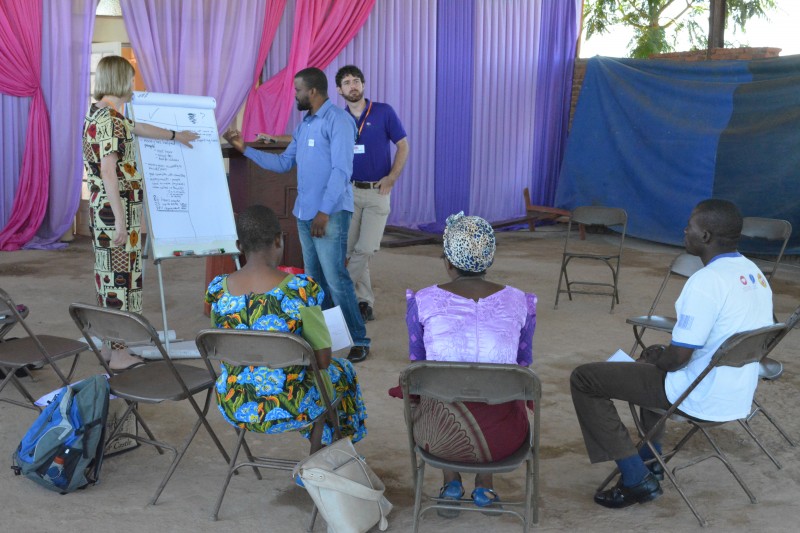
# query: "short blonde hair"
{"type": "Point", "coordinates": [113, 77]}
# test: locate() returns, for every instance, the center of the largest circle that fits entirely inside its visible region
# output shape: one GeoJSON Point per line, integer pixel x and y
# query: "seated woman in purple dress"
{"type": "Point", "coordinates": [470, 319]}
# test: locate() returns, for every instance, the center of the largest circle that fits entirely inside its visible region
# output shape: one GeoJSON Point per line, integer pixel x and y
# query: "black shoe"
{"type": "Point", "coordinates": [366, 311]}
{"type": "Point", "coordinates": [621, 496]}
{"type": "Point", "coordinates": [358, 354]}
{"type": "Point", "coordinates": [657, 470]}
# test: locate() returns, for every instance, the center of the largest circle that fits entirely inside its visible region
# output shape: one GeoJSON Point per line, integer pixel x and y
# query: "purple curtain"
{"type": "Point", "coordinates": [66, 44]}
{"type": "Point", "coordinates": [558, 37]}
{"type": "Point", "coordinates": [14, 112]}
{"type": "Point", "coordinates": [483, 88]}
{"type": "Point", "coordinates": [200, 47]}
{"type": "Point", "coordinates": [455, 48]}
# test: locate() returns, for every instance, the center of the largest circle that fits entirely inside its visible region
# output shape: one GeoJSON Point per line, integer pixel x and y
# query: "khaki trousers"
{"type": "Point", "coordinates": [370, 211]}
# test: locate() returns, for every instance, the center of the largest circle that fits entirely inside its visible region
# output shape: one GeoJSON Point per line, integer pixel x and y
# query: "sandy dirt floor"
{"type": "Point", "coordinates": [580, 331]}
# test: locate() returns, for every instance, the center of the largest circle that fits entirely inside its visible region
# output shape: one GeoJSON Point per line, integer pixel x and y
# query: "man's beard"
{"type": "Point", "coordinates": [353, 97]}
{"type": "Point", "coordinates": [303, 106]}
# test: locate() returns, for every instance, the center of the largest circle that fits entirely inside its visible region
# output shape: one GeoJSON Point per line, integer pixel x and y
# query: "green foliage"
{"type": "Point", "coordinates": [658, 23]}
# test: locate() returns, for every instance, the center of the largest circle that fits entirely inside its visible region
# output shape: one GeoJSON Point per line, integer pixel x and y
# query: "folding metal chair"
{"type": "Point", "coordinates": [474, 382]}
{"type": "Point", "coordinates": [275, 350]}
{"type": "Point", "coordinates": [791, 323]}
{"type": "Point", "coordinates": [770, 229]}
{"type": "Point", "coordinates": [593, 216]}
{"type": "Point", "coordinates": [737, 351]}
{"type": "Point", "coordinates": [35, 350]}
{"type": "Point", "coordinates": [153, 383]}
{"type": "Point", "coordinates": [682, 266]}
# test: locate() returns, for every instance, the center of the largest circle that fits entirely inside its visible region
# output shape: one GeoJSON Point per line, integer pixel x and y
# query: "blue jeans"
{"type": "Point", "coordinates": [324, 259]}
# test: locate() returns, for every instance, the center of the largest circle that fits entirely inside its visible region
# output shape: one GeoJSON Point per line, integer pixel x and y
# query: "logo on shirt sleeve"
{"type": "Point", "coordinates": [762, 281]}
{"type": "Point", "coordinates": [743, 280]}
{"type": "Point", "coordinates": [685, 322]}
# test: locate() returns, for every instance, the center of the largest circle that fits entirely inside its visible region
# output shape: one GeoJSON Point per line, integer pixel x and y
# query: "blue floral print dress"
{"type": "Point", "coordinates": [266, 400]}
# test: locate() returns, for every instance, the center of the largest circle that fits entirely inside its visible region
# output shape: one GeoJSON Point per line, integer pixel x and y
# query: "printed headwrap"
{"type": "Point", "coordinates": [469, 242]}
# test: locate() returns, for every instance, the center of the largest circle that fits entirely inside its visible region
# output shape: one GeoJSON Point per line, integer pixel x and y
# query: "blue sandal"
{"type": "Point", "coordinates": [451, 491]}
{"type": "Point", "coordinates": [483, 497]}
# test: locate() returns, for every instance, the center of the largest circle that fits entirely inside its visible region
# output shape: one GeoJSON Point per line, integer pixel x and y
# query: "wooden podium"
{"type": "Point", "coordinates": [250, 184]}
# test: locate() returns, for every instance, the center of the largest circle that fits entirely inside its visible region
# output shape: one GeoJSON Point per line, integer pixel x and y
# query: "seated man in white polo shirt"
{"type": "Point", "coordinates": [727, 296]}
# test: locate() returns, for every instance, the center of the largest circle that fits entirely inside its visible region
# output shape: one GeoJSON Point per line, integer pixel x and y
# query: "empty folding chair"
{"type": "Point", "coordinates": [264, 349]}
{"type": "Point", "coordinates": [737, 351]}
{"type": "Point", "coordinates": [770, 229]}
{"type": "Point", "coordinates": [153, 383]}
{"type": "Point", "coordinates": [683, 266]}
{"type": "Point", "coordinates": [474, 382]}
{"type": "Point", "coordinates": [35, 350]}
{"type": "Point", "coordinates": [588, 250]}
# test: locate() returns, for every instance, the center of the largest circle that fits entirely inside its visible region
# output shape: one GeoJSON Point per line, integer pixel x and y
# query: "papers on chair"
{"type": "Point", "coordinates": [340, 335]}
{"type": "Point", "coordinates": [621, 357]}
{"type": "Point", "coordinates": [177, 350]}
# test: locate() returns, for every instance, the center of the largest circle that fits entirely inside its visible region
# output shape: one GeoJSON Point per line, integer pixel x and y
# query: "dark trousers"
{"type": "Point", "coordinates": [595, 385]}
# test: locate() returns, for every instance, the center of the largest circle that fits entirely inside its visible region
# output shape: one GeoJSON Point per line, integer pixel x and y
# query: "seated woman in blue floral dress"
{"type": "Point", "coordinates": [261, 297]}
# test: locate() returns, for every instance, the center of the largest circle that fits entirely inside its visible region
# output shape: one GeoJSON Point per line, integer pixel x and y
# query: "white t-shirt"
{"type": "Point", "coordinates": [727, 296]}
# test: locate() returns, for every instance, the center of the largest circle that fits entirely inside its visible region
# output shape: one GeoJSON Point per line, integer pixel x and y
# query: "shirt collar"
{"type": "Point", "coordinates": [729, 254]}
{"type": "Point", "coordinates": [320, 111]}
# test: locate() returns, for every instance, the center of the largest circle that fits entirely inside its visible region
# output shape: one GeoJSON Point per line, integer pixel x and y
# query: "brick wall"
{"type": "Point", "coordinates": [715, 54]}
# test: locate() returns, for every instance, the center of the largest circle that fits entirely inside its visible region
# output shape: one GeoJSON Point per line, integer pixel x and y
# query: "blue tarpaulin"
{"type": "Point", "coordinates": [655, 137]}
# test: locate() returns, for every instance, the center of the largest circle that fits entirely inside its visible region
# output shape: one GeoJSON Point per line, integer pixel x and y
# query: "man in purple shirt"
{"type": "Point", "coordinates": [322, 149]}
{"type": "Point", "coordinates": [374, 175]}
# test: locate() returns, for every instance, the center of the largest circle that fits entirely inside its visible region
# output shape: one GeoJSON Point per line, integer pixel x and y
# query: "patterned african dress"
{"type": "Point", "coordinates": [117, 269]}
{"type": "Point", "coordinates": [266, 400]}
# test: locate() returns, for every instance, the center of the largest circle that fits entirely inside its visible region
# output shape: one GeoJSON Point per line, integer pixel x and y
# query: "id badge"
{"type": "Point", "coordinates": [311, 142]}
{"type": "Point", "coordinates": [359, 149]}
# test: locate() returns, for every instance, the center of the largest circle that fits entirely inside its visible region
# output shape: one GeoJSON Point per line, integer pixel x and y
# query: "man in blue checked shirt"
{"type": "Point", "coordinates": [322, 148]}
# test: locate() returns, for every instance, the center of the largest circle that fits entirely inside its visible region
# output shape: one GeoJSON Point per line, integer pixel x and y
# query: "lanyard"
{"type": "Point", "coordinates": [363, 121]}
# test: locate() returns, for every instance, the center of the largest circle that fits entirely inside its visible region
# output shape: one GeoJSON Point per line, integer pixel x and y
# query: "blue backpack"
{"type": "Point", "coordinates": [63, 450]}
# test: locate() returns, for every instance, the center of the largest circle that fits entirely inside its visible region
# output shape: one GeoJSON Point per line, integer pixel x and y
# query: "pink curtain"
{"type": "Point", "coordinates": [20, 75]}
{"type": "Point", "coordinates": [322, 28]}
{"type": "Point", "coordinates": [272, 18]}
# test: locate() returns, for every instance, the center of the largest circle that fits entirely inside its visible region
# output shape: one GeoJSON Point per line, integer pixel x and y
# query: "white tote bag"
{"type": "Point", "coordinates": [346, 491]}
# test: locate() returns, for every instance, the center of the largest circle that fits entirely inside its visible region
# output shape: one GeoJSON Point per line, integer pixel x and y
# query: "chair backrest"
{"type": "Point", "coordinates": [747, 347]}
{"type": "Point", "coordinates": [738, 350]}
{"type": "Point", "coordinates": [600, 215]}
{"type": "Point", "coordinates": [470, 382]}
{"type": "Point", "coordinates": [790, 323]}
{"type": "Point", "coordinates": [274, 349]}
{"type": "Point", "coordinates": [770, 229]}
{"type": "Point", "coordinates": [120, 326]}
{"type": "Point", "coordinates": [683, 265]}
{"type": "Point", "coordinates": [8, 309]}
{"type": "Point", "coordinates": [255, 348]}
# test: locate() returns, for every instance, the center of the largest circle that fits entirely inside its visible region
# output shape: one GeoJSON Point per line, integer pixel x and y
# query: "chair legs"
{"type": "Point", "coordinates": [231, 469]}
{"type": "Point", "coordinates": [761, 409]}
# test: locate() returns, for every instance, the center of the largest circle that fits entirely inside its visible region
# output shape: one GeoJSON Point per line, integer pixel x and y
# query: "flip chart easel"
{"type": "Point", "coordinates": [187, 201]}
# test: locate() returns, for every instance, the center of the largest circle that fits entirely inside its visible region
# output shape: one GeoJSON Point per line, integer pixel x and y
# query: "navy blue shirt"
{"type": "Point", "coordinates": [379, 125]}
{"type": "Point", "coordinates": [322, 149]}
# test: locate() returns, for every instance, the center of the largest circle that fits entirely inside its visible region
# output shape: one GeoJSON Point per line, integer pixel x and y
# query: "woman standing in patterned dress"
{"type": "Point", "coordinates": [262, 297]}
{"type": "Point", "coordinates": [115, 187]}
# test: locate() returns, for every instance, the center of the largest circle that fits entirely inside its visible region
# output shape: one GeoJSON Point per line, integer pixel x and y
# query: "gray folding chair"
{"type": "Point", "coordinates": [682, 266]}
{"type": "Point", "coordinates": [474, 382]}
{"type": "Point", "coordinates": [584, 250]}
{"type": "Point", "coordinates": [791, 323]}
{"type": "Point", "coordinates": [153, 383]}
{"type": "Point", "coordinates": [33, 350]}
{"type": "Point", "coordinates": [737, 351]}
{"type": "Point", "coordinates": [275, 350]}
{"type": "Point", "coordinates": [769, 229]}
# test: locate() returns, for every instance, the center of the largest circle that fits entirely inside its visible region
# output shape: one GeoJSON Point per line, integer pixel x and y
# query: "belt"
{"type": "Point", "coordinates": [365, 184]}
